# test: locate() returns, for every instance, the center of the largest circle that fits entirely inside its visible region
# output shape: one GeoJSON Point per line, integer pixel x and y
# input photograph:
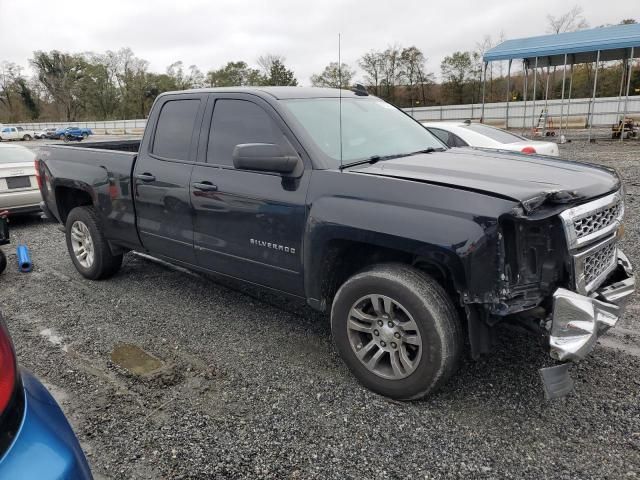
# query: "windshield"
{"type": "Point", "coordinates": [496, 134]}
{"type": "Point", "coordinates": [370, 127]}
{"type": "Point", "coordinates": [15, 155]}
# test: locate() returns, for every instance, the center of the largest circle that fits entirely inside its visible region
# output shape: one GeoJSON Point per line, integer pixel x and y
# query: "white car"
{"type": "Point", "coordinates": [16, 133]}
{"type": "Point", "coordinates": [19, 192]}
{"type": "Point", "coordinates": [467, 134]}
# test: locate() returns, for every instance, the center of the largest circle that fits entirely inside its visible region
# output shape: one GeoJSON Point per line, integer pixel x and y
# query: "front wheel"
{"type": "Point", "coordinates": [85, 135]}
{"type": "Point", "coordinates": [397, 331]}
{"type": "Point", "coordinates": [87, 246]}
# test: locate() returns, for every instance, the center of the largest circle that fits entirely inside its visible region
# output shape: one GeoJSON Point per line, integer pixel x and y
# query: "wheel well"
{"type": "Point", "coordinates": [69, 198]}
{"type": "Point", "coordinates": [345, 258]}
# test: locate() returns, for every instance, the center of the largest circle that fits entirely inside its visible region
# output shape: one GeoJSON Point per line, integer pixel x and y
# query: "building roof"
{"type": "Point", "coordinates": [582, 46]}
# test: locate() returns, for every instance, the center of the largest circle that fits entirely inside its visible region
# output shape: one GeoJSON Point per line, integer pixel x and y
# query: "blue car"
{"type": "Point", "coordinates": [73, 133]}
{"type": "Point", "coordinates": [36, 440]}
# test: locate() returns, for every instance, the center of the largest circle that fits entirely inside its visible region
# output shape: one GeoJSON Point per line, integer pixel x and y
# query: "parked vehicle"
{"type": "Point", "coordinates": [19, 191]}
{"type": "Point", "coordinates": [40, 134]}
{"type": "Point", "coordinates": [467, 134]}
{"type": "Point", "coordinates": [51, 133]}
{"type": "Point", "coordinates": [16, 133]}
{"type": "Point", "coordinates": [36, 438]}
{"type": "Point", "coordinates": [73, 133]}
{"type": "Point", "coordinates": [629, 128]}
{"type": "Point", "coordinates": [4, 238]}
{"type": "Point", "coordinates": [408, 244]}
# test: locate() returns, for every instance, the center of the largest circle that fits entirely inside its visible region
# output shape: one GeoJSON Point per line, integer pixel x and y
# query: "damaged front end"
{"type": "Point", "coordinates": [562, 275]}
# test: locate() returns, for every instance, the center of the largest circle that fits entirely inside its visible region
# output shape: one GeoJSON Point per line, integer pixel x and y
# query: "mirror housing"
{"type": "Point", "coordinates": [264, 157]}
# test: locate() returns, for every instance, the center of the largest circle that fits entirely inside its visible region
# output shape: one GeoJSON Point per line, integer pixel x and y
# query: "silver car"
{"type": "Point", "coordinates": [19, 192]}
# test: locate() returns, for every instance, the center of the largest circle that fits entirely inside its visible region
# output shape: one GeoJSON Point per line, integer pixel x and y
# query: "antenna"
{"type": "Point", "coordinates": [340, 98]}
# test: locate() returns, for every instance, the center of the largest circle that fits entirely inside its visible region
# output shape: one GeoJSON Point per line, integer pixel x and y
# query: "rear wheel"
{"type": "Point", "coordinates": [26, 138]}
{"type": "Point", "coordinates": [3, 261]}
{"type": "Point", "coordinates": [87, 245]}
{"type": "Point", "coordinates": [397, 331]}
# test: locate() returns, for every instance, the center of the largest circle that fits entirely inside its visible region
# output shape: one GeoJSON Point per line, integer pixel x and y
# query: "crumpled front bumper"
{"type": "Point", "coordinates": [578, 320]}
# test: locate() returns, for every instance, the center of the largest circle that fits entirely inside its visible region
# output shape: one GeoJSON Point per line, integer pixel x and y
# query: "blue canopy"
{"type": "Point", "coordinates": [582, 46]}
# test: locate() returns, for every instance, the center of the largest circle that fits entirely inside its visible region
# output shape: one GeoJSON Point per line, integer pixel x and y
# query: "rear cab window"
{"type": "Point", "coordinates": [175, 128]}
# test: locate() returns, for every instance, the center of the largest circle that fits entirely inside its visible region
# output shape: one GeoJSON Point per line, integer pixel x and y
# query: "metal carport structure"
{"type": "Point", "coordinates": [619, 42]}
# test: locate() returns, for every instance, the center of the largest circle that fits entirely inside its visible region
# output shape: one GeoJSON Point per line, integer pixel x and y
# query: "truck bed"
{"type": "Point", "coordinates": [101, 174]}
{"type": "Point", "coordinates": [118, 145]}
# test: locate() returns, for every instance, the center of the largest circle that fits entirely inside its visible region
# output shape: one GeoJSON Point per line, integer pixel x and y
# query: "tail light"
{"type": "Point", "coordinates": [8, 372]}
{"type": "Point", "coordinates": [38, 178]}
{"type": "Point", "coordinates": [528, 150]}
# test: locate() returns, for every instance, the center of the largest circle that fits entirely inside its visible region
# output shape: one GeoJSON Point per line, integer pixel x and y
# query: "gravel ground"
{"type": "Point", "coordinates": [252, 388]}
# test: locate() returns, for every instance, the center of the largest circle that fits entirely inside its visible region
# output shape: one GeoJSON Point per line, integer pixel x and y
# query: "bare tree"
{"type": "Point", "coordinates": [267, 61]}
{"type": "Point", "coordinates": [391, 72]}
{"type": "Point", "coordinates": [9, 75]}
{"type": "Point", "coordinates": [371, 63]}
{"type": "Point", "coordinates": [567, 22]}
{"type": "Point", "coordinates": [481, 48]}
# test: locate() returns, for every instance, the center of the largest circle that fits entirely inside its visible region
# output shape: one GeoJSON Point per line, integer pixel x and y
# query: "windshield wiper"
{"type": "Point", "coordinates": [373, 159]}
{"type": "Point", "coordinates": [376, 158]}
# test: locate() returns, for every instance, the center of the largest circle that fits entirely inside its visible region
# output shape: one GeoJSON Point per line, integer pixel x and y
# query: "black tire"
{"type": "Point", "coordinates": [27, 138]}
{"type": "Point", "coordinates": [432, 310]}
{"type": "Point", "coordinates": [105, 264]}
{"type": "Point", "coordinates": [85, 135]}
{"type": "Point", "coordinates": [3, 261]}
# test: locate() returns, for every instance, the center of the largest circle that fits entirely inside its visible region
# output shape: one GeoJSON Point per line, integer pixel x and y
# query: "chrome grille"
{"type": "Point", "coordinates": [597, 220]}
{"type": "Point", "coordinates": [599, 262]}
{"type": "Point", "coordinates": [591, 232]}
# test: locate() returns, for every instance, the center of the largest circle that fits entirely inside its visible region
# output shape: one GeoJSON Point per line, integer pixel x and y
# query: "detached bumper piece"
{"type": "Point", "coordinates": [578, 320]}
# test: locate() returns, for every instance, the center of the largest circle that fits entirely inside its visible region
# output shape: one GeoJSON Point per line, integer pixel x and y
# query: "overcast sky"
{"type": "Point", "coordinates": [210, 33]}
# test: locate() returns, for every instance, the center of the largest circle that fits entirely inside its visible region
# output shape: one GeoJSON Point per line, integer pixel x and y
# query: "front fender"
{"type": "Point", "coordinates": [465, 245]}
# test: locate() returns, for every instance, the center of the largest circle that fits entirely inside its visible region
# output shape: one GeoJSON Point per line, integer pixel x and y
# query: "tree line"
{"type": "Point", "coordinates": [119, 85]}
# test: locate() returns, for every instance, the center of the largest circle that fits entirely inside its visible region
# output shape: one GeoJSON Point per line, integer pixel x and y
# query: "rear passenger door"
{"type": "Point", "coordinates": [248, 224]}
{"type": "Point", "coordinates": [162, 177]}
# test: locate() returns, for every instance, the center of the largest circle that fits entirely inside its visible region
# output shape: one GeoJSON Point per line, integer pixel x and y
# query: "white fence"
{"type": "Point", "coordinates": [605, 114]}
{"type": "Point", "coordinates": [605, 111]}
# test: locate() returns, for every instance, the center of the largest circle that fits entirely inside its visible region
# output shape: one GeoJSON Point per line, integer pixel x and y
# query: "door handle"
{"type": "Point", "coordinates": [205, 186]}
{"type": "Point", "coordinates": [145, 177]}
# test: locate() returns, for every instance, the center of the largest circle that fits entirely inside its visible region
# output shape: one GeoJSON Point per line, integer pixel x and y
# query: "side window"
{"type": "Point", "coordinates": [174, 129]}
{"type": "Point", "coordinates": [458, 142]}
{"type": "Point", "coordinates": [6, 130]}
{"type": "Point", "coordinates": [443, 135]}
{"type": "Point", "coordinates": [239, 121]}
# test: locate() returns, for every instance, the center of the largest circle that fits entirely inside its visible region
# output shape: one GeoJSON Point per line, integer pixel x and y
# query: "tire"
{"type": "Point", "coordinates": [27, 138]}
{"type": "Point", "coordinates": [3, 261]}
{"type": "Point", "coordinates": [85, 135]}
{"type": "Point", "coordinates": [425, 356]}
{"type": "Point", "coordinates": [98, 263]}
{"type": "Point", "coordinates": [62, 137]}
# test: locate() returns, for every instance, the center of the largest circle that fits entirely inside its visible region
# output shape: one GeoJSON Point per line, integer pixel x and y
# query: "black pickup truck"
{"type": "Point", "coordinates": [343, 200]}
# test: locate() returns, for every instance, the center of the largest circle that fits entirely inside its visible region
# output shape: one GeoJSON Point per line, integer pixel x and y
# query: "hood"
{"type": "Point", "coordinates": [529, 179]}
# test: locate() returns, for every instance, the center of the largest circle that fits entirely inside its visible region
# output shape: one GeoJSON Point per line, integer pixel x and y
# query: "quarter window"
{"type": "Point", "coordinates": [175, 127]}
{"type": "Point", "coordinates": [236, 122]}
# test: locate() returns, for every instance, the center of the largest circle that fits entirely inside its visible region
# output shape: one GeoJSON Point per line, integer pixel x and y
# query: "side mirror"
{"type": "Point", "coordinates": [263, 157]}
